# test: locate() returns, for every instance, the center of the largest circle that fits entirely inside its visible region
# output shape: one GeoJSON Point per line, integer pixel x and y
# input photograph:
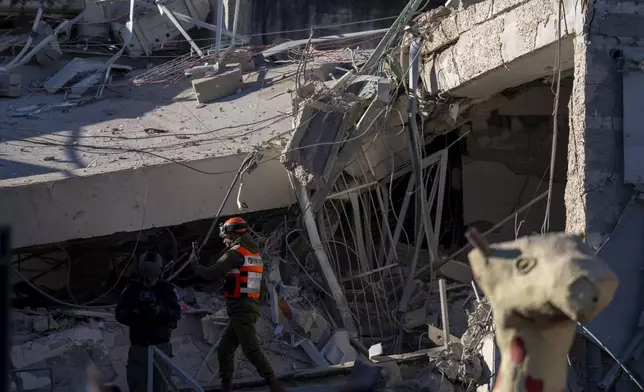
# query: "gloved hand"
{"type": "Point", "coordinates": [194, 255]}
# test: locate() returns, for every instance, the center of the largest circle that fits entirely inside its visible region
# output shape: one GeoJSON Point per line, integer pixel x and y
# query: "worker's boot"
{"type": "Point", "coordinates": [275, 384]}
{"type": "Point", "coordinates": [226, 385]}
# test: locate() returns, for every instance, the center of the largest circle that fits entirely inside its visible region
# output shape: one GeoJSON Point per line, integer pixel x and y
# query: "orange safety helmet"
{"type": "Point", "coordinates": [234, 225]}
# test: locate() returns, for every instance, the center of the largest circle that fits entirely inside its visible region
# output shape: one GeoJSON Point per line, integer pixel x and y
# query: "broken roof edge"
{"type": "Point", "coordinates": [67, 208]}
{"type": "Point", "coordinates": [270, 150]}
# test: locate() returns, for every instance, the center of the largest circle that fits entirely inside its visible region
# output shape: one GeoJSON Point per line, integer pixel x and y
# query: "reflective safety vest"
{"type": "Point", "coordinates": [245, 282]}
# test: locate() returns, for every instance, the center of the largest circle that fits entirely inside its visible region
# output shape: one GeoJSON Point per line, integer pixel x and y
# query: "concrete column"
{"type": "Point", "coordinates": [595, 192]}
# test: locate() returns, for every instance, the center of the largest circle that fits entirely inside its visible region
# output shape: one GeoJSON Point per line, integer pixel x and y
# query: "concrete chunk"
{"type": "Point", "coordinates": [9, 85]}
{"type": "Point", "coordinates": [69, 71]}
{"type": "Point", "coordinates": [338, 348]}
{"type": "Point", "coordinates": [242, 59]}
{"type": "Point", "coordinates": [218, 86]}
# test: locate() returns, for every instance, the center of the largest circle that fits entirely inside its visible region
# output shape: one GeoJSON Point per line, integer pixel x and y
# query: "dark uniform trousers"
{"type": "Point", "coordinates": [137, 369]}
{"type": "Point", "coordinates": [241, 331]}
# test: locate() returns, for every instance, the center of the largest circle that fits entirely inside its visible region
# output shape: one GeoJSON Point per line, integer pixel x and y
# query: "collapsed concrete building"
{"type": "Point", "coordinates": [463, 99]}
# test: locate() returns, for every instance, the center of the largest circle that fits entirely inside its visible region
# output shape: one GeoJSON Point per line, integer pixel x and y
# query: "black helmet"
{"type": "Point", "coordinates": [149, 266]}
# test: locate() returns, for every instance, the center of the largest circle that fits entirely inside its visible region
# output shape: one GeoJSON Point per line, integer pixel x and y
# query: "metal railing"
{"type": "Point", "coordinates": [155, 359]}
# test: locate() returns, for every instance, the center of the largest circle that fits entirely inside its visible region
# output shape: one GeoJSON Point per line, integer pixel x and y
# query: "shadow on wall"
{"type": "Point", "coordinates": [507, 165]}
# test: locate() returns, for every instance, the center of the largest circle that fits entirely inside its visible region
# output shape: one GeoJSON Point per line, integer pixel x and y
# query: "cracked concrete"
{"type": "Point", "coordinates": [595, 192]}
{"type": "Point", "coordinates": [494, 45]}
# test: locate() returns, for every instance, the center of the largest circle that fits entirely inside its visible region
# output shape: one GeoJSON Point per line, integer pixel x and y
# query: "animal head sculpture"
{"type": "Point", "coordinates": [539, 287]}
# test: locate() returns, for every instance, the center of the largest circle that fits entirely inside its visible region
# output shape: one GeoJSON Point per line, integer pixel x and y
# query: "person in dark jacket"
{"type": "Point", "coordinates": [242, 267]}
{"type": "Point", "coordinates": [150, 307]}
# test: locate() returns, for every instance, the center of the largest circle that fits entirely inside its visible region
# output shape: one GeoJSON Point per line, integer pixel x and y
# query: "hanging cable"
{"type": "Point", "coordinates": [86, 305]}
{"type": "Point", "coordinates": [555, 117]}
{"type": "Point", "coordinates": [250, 161]}
{"type": "Point", "coordinates": [610, 353]}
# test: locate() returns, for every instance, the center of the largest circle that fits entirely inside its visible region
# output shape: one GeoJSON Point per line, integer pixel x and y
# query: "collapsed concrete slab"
{"type": "Point", "coordinates": [162, 162]}
{"type": "Point", "coordinates": [318, 156]}
{"type": "Point", "coordinates": [82, 206]}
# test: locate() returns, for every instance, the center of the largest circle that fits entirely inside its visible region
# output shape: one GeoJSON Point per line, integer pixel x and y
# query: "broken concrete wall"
{"type": "Point", "coordinates": [507, 164]}
{"type": "Point", "coordinates": [493, 45]}
{"type": "Point", "coordinates": [596, 195]}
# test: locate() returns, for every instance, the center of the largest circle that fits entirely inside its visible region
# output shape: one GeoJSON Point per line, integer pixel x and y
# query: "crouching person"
{"type": "Point", "coordinates": [150, 308]}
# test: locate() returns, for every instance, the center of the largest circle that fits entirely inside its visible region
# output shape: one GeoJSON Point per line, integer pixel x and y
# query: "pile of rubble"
{"type": "Point", "coordinates": [51, 346]}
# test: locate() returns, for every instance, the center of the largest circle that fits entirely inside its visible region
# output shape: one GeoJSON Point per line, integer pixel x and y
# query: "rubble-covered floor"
{"type": "Point", "coordinates": [164, 120]}
{"type": "Point", "coordinates": [66, 340]}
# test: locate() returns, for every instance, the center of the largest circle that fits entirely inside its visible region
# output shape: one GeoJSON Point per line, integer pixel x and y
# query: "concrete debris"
{"type": "Point", "coordinates": [320, 123]}
{"type": "Point", "coordinates": [154, 30]}
{"type": "Point", "coordinates": [459, 366]}
{"type": "Point", "coordinates": [290, 45]}
{"type": "Point", "coordinates": [416, 318]}
{"type": "Point", "coordinates": [9, 41]}
{"type": "Point", "coordinates": [481, 324]}
{"type": "Point", "coordinates": [212, 88]}
{"type": "Point", "coordinates": [76, 68]}
{"type": "Point", "coordinates": [433, 381]}
{"type": "Point", "coordinates": [240, 58]}
{"type": "Point", "coordinates": [32, 382]}
{"type": "Point", "coordinates": [10, 84]}
{"type": "Point", "coordinates": [66, 352]}
{"type": "Point", "coordinates": [213, 325]}
{"type": "Point", "coordinates": [338, 348]}
{"type": "Point", "coordinates": [34, 110]}
{"type": "Point", "coordinates": [427, 381]}
{"type": "Point", "coordinates": [44, 323]}
{"type": "Point", "coordinates": [202, 70]}
{"type": "Point", "coordinates": [312, 351]}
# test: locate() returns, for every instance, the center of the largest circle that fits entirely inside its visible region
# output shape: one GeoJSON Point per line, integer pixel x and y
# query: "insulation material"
{"type": "Point", "coordinates": [539, 287]}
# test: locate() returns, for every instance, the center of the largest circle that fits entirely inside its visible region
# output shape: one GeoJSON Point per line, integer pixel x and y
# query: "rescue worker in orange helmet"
{"type": "Point", "coordinates": [242, 267]}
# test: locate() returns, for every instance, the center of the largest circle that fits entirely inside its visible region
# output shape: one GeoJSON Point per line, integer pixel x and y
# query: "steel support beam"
{"type": "Point", "coordinates": [325, 265]}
